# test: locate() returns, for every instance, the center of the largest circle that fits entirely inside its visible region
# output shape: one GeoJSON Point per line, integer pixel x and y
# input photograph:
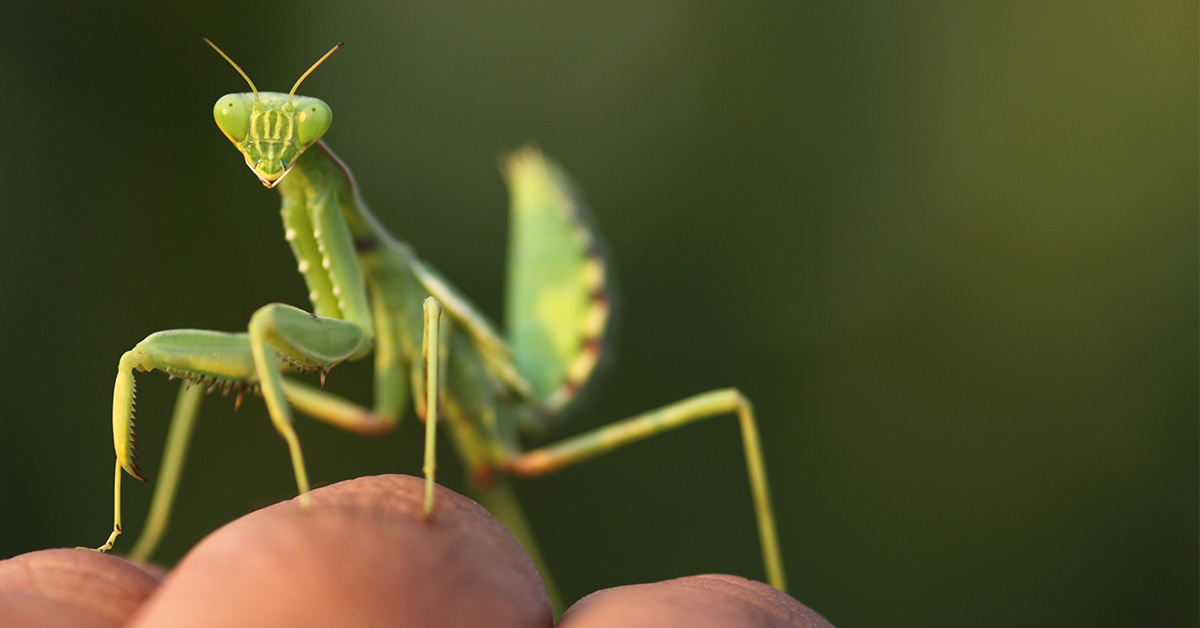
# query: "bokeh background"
{"type": "Point", "coordinates": [949, 250]}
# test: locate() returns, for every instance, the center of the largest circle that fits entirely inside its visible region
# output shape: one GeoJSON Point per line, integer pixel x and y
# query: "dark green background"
{"type": "Point", "coordinates": [949, 251]}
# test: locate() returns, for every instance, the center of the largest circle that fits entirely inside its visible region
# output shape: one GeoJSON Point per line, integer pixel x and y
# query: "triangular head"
{"type": "Point", "coordinates": [271, 130]}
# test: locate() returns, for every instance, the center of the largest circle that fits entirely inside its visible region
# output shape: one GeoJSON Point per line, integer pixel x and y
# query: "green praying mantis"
{"type": "Point", "coordinates": [432, 348]}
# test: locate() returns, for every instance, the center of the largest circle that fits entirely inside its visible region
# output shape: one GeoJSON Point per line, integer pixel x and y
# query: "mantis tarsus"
{"type": "Point", "coordinates": [369, 291]}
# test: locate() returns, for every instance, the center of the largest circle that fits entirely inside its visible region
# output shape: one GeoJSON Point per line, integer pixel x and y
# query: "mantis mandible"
{"type": "Point", "coordinates": [370, 292]}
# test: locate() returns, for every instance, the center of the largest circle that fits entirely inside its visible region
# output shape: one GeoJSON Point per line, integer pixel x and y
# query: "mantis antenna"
{"type": "Point", "coordinates": [252, 87]}
{"type": "Point", "coordinates": [255, 89]}
{"type": "Point", "coordinates": [302, 76]}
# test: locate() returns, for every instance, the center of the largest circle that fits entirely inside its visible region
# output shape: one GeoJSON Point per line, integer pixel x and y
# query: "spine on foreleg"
{"type": "Point", "coordinates": [124, 409]}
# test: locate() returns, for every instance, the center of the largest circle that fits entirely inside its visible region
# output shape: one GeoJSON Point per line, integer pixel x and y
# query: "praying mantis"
{"type": "Point", "coordinates": [370, 292]}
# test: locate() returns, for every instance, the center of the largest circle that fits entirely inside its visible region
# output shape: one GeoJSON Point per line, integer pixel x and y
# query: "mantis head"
{"type": "Point", "coordinates": [271, 130]}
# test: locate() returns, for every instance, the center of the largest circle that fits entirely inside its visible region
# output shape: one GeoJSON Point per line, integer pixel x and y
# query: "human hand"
{"type": "Point", "coordinates": [361, 556]}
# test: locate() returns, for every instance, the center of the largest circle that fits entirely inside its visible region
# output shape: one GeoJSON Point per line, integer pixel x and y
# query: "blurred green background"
{"type": "Point", "coordinates": [948, 249]}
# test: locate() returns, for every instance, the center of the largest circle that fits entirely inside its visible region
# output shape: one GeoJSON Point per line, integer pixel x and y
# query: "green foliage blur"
{"type": "Point", "coordinates": [948, 249]}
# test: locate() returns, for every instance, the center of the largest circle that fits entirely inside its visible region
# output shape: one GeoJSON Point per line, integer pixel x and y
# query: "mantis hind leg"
{"type": "Point", "coordinates": [714, 403]}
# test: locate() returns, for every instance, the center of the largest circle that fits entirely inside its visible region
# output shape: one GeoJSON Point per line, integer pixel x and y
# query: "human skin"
{"type": "Point", "coordinates": [361, 555]}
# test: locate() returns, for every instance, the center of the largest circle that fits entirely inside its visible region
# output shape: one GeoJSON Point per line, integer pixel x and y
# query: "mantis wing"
{"type": "Point", "coordinates": [558, 297]}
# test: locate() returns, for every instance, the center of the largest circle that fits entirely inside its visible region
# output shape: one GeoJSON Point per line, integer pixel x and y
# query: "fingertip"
{"type": "Point", "coordinates": [361, 555]}
{"type": "Point", "coordinates": [71, 587]}
{"type": "Point", "coordinates": [707, 601]}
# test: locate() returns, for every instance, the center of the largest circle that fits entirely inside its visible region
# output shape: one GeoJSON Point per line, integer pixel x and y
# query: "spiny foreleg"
{"type": "Point", "coordinates": [213, 360]}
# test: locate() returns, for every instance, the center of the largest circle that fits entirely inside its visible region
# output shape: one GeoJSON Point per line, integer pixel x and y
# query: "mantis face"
{"type": "Point", "coordinates": [271, 130]}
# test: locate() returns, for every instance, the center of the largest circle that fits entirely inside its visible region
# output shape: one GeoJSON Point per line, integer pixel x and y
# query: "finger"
{"type": "Point", "coordinates": [360, 555]}
{"type": "Point", "coordinates": [712, 601]}
{"type": "Point", "coordinates": [71, 587]}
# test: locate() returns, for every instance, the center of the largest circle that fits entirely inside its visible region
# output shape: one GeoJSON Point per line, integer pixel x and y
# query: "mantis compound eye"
{"type": "Point", "coordinates": [313, 118]}
{"type": "Point", "coordinates": [232, 114]}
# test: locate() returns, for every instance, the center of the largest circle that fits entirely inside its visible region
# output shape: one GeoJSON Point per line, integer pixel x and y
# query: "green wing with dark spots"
{"type": "Point", "coordinates": [558, 302]}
